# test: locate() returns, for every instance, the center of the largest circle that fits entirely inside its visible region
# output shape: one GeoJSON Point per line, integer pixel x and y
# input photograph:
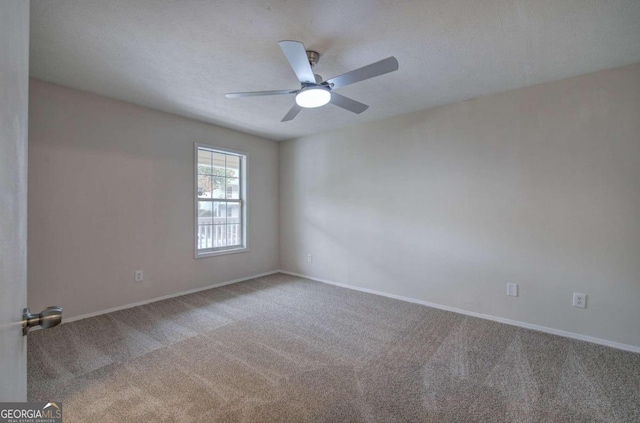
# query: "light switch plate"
{"type": "Point", "coordinates": [512, 289]}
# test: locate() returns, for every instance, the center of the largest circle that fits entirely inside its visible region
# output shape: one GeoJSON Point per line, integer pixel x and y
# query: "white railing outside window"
{"type": "Point", "coordinates": [212, 236]}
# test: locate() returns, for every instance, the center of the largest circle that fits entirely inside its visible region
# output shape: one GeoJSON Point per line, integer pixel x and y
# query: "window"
{"type": "Point", "coordinates": [220, 201]}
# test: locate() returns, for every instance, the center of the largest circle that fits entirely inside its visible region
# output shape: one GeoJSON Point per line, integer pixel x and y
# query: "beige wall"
{"type": "Point", "coordinates": [111, 192]}
{"type": "Point", "coordinates": [537, 186]}
{"type": "Point", "coordinates": [14, 88]}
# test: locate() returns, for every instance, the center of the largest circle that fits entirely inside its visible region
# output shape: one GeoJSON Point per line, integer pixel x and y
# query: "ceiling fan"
{"type": "Point", "coordinates": [313, 91]}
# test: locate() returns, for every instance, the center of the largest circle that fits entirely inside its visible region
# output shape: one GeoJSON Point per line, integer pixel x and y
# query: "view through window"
{"type": "Point", "coordinates": [219, 200]}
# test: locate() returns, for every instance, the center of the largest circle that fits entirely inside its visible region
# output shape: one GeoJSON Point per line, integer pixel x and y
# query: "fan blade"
{"type": "Point", "coordinates": [387, 65]}
{"type": "Point", "coordinates": [259, 93]}
{"type": "Point", "coordinates": [347, 103]}
{"type": "Point", "coordinates": [297, 57]}
{"type": "Point", "coordinates": [292, 113]}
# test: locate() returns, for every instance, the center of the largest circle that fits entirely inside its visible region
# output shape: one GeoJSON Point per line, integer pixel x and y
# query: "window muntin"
{"type": "Point", "coordinates": [220, 206]}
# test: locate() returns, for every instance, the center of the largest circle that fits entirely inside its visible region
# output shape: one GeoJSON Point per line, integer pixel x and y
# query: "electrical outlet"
{"type": "Point", "coordinates": [309, 258]}
{"type": "Point", "coordinates": [512, 289]}
{"type": "Point", "coordinates": [579, 300]}
{"type": "Point", "coordinates": [138, 276]}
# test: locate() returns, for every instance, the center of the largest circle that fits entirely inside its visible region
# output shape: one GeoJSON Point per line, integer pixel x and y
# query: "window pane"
{"type": "Point", "coordinates": [218, 184]}
{"type": "Point", "coordinates": [204, 186]}
{"type": "Point", "coordinates": [219, 236]}
{"type": "Point", "coordinates": [205, 213]}
{"type": "Point", "coordinates": [233, 166]}
{"type": "Point", "coordinates": [204, 162]}
{"type": "Point", "coordinates": [204, 236]}
{"type": "Point", "coordinates": [234, 237]}
{"type": "Point", "coordinates": [233, 188]}
{"type": "Point", "coordinates": [219, 164]}
{"type": "Point", "coordinates": [219, 212]}
{"type": "Point", "coordinates": [233, 212]}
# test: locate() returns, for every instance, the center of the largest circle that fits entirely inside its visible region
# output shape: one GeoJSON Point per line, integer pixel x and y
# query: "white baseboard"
{"type": "Point", "coordinates": [545, 329]}
{"type": "Point", "coordinates": [164, 297]}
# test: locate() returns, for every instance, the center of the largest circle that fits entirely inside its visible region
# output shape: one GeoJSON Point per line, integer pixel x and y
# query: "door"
{"type": "Point", "coordinates": [14, 88]}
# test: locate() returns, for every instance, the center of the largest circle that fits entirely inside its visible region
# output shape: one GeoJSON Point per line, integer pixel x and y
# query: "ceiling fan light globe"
{"type": "Point", "coordinates": [313, 97]}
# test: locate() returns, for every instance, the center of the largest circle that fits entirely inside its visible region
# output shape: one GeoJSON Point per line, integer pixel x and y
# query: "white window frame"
{"type": "Point", "coordinates": [244, 158]}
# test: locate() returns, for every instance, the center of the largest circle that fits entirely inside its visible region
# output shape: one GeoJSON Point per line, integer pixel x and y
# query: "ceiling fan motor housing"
{"type": "Point", "coordinates": [313, 57]}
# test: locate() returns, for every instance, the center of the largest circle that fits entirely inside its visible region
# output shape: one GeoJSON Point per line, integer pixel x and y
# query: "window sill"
{"type": "Point", "coordinates": [221, 252]}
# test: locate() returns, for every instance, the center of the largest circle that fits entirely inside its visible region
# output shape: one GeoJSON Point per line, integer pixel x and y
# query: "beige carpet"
{"type": "Point", "coordinates": [282, 348]}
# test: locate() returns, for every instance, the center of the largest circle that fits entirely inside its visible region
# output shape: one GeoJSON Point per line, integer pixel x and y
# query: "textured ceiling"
{"type": "Point", "coordinates": [182, 56]}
